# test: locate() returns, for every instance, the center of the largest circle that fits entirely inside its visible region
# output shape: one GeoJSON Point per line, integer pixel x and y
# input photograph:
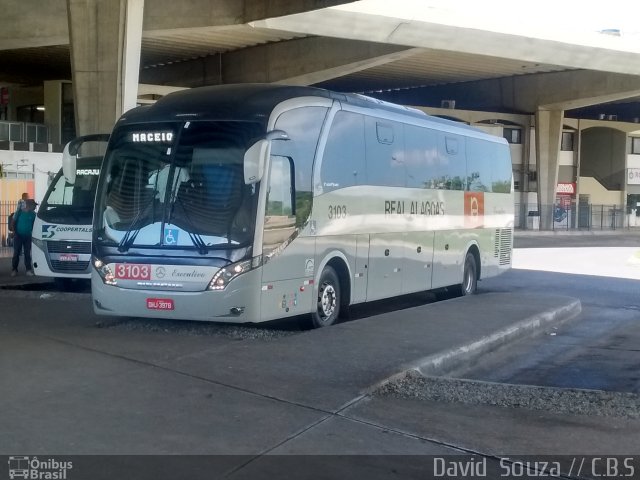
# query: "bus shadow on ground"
{"type": "Point", "coordinates": [71, 286]}
{"type": "Point", "coordinates": [267, 330]}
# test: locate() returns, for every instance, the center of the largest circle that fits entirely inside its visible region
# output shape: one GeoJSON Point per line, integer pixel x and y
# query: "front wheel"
{"type": "Point", "coordinates": [328, 304]}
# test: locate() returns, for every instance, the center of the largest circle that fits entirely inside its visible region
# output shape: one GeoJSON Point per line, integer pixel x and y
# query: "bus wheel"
{"type": "Point", "coordinates": [469, 284]}
{"type": "Point", "coordinates": [328, 306]}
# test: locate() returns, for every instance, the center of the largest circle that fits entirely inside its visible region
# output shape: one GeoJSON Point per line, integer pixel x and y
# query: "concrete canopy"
{"type": "Point", "coordinates": [363, 46]}
{"type": "Point", "coordinates": [364, 37]}
{"type": "Point", "coordinates": [358, 46]}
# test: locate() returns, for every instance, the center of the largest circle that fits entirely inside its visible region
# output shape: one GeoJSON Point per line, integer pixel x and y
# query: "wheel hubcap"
{"type": "Point", "coordinates": [468, 278]}
{"type": "Point", "coordinates": [328, 301]}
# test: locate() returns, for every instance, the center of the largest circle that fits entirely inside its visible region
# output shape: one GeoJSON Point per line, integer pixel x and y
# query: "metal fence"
{"type": "Point", "coordinates": [23, 132]}
{"type": "Point", "coordinates": [527, 217]}
{"type": "Point", "coordinates": [6, 209]}
{"type": "Point", "coordinates": [576, 217]}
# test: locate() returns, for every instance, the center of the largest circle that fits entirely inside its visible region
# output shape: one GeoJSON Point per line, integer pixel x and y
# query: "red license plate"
{"type": "Point", "coordinates": [160, 303]}
{"type": "Point", "coordinates": [133, 271]}
{"type": "Point", "coordinates": [68, 257]}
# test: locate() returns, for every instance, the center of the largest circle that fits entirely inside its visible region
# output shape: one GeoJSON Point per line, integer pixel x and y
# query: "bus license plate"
{"type": "Point", "coordinates": [68, 257]}
{"type": "Point", "coordinates": [160, 303]}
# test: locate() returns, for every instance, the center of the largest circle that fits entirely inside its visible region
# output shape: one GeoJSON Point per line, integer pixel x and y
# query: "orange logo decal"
{"type": "Point", "coordinates": [473, 209]}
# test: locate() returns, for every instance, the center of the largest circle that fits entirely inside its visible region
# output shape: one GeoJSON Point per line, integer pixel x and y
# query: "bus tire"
{"type": "Point", "coordinates": [328, 302]}
{"type": "Point", "coordinates": [469, 285]}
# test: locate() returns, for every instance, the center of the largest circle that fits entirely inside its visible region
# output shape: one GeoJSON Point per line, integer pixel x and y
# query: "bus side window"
{"type": "Point", "coordinates": [279, 195]}
{"type": "Point", "coordinates": [385, 153]}
{"type": "Point", "coordinates": [279, 222]}
{"type": "Point", "coordinates": [343, 162]}
{"type": "Point", "coordinates": [303, 127]}
{"type": "Point", "coordinates": [501, 170]}
{"type": "Point", "coordinates": [480, 156]}
{"type": "Point", "coordinates": [421, 157]}
{"type": "Point", "coordinates": [453, 156]}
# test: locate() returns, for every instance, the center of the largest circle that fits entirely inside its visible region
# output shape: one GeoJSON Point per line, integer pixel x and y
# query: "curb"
{"type": "Point", "coordinates": [445, 362]}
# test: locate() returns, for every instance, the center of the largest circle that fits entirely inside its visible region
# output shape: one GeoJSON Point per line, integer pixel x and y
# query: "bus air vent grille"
{"type": "Point", "coordinates": [502, 246]}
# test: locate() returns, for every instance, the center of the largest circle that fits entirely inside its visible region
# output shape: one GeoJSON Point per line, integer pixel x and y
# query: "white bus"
{"type": "Point", "coordinates": [247, 203]}
{"type": "Point", "coordinates": [61, 236]}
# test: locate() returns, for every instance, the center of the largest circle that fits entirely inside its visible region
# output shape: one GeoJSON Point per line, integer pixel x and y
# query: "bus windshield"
{"type": "Point", "coordinates": [177, 185]}
{"type": "Point", "coordinates": [72, 203]}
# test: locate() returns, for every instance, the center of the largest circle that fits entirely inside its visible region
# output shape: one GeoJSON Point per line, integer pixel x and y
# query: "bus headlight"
{"type": "Point", "coordinates": [223, 276]}
{"type": "Point", "coordinates": [104, 271]}
{"type": "Point", "coordinates": [38, 243]}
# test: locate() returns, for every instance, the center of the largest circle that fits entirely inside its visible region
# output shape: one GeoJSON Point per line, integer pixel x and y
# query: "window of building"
{"type": "Point", "coordinates": [635, 145]}
{"type": "Point", "coordinates": [513, 135]}
{"type": "Point", "coordinates": [516, 185]}
{"type": "Point", "coordinates": [566, 144]}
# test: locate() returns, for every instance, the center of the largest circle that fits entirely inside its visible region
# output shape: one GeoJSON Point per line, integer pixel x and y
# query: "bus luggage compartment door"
{"type": "Point", "coordinates": [386, 255]}
{"type": "Point", "coordinates": [418, 262]}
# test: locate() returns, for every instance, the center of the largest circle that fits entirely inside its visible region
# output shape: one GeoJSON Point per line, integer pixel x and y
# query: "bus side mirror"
{"type": "Point", "coordinates": [69, 165]}
{"type": "Point", "coordinates": [254, 160]}
{"type": "Point", "coordinates": [256, 156]}
{"type": "Point", "coordinates": [70, 154]}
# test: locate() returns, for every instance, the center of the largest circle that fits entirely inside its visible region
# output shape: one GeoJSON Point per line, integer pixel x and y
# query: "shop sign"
{"type": "Point", "coordinates": [633, 176]}
{"type": "Point", "coordinates": [4, 96]}
{"type": "Point", "coordinates": [566, 189]}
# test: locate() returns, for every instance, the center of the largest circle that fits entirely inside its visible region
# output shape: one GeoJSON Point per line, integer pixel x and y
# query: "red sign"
{"type": "Point", "coordinates": [160, 304]}
{"type": "Point", "coordinates": [473, 209]}
{"type": "Point", "coordinates": [566, 189]}
{"type": "Point", "coordinates": [133, 271]}
{"type": "Point", "coordinates": [4, 96]}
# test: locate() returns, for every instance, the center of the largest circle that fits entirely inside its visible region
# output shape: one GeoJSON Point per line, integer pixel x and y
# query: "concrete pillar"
{"type": "Point", "coordinates": [548, 136]}
{"type": "Point", "coordinates": [105, 39]}
{"type": "Point", "coordinates": [523, 173]}
{"type": "Point", "coordinates": [53, 109]}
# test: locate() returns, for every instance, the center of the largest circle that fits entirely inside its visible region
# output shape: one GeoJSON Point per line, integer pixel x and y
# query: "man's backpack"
{"type": "Point", "coordinates": [11, 223]}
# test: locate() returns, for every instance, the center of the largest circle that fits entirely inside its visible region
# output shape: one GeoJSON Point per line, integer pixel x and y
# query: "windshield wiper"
{"type": "Point", "coordinates": [196, 239]}
{"type": "Point", "coordinates": [198, 242]}
{"type": "Point", "coordinates": [130, 235]}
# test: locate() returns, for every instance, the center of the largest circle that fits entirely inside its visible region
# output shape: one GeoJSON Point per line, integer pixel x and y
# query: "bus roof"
{"type": "Point", "coordinates": [255, 102]}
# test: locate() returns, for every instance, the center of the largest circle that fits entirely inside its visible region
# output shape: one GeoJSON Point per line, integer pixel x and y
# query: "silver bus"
{"type": "Point", "coordinates": [247, 203]}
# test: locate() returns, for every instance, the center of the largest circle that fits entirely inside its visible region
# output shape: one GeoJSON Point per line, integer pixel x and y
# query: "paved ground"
{"type": "Point", "coordinates": [74, 383]}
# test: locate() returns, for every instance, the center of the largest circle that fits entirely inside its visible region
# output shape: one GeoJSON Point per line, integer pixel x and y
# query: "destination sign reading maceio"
{"type": "Point", "coordinates": [152, 137]}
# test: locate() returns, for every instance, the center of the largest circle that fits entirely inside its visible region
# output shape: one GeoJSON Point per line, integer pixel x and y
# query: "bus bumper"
{"type": "Point", "coordinates": [238, 303]}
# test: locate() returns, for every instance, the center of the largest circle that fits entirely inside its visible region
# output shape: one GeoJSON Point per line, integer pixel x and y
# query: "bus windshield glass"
{"type": "Point", "coordinates": [177, 185]}
{"type": "Point", "coordinates": [72, 203]}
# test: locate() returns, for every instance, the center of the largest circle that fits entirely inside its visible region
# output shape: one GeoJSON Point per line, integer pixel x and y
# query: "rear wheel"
{"type": "Point", "coordinates": [328, 302]}
{"type": "Point", "coordinates": [469, 285]}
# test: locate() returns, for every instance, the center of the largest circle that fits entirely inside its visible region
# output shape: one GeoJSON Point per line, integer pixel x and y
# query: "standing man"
{"type": "Point", "coordinates": [22, 241]}
{"type": "Point", "coordinates": [22, 203]}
